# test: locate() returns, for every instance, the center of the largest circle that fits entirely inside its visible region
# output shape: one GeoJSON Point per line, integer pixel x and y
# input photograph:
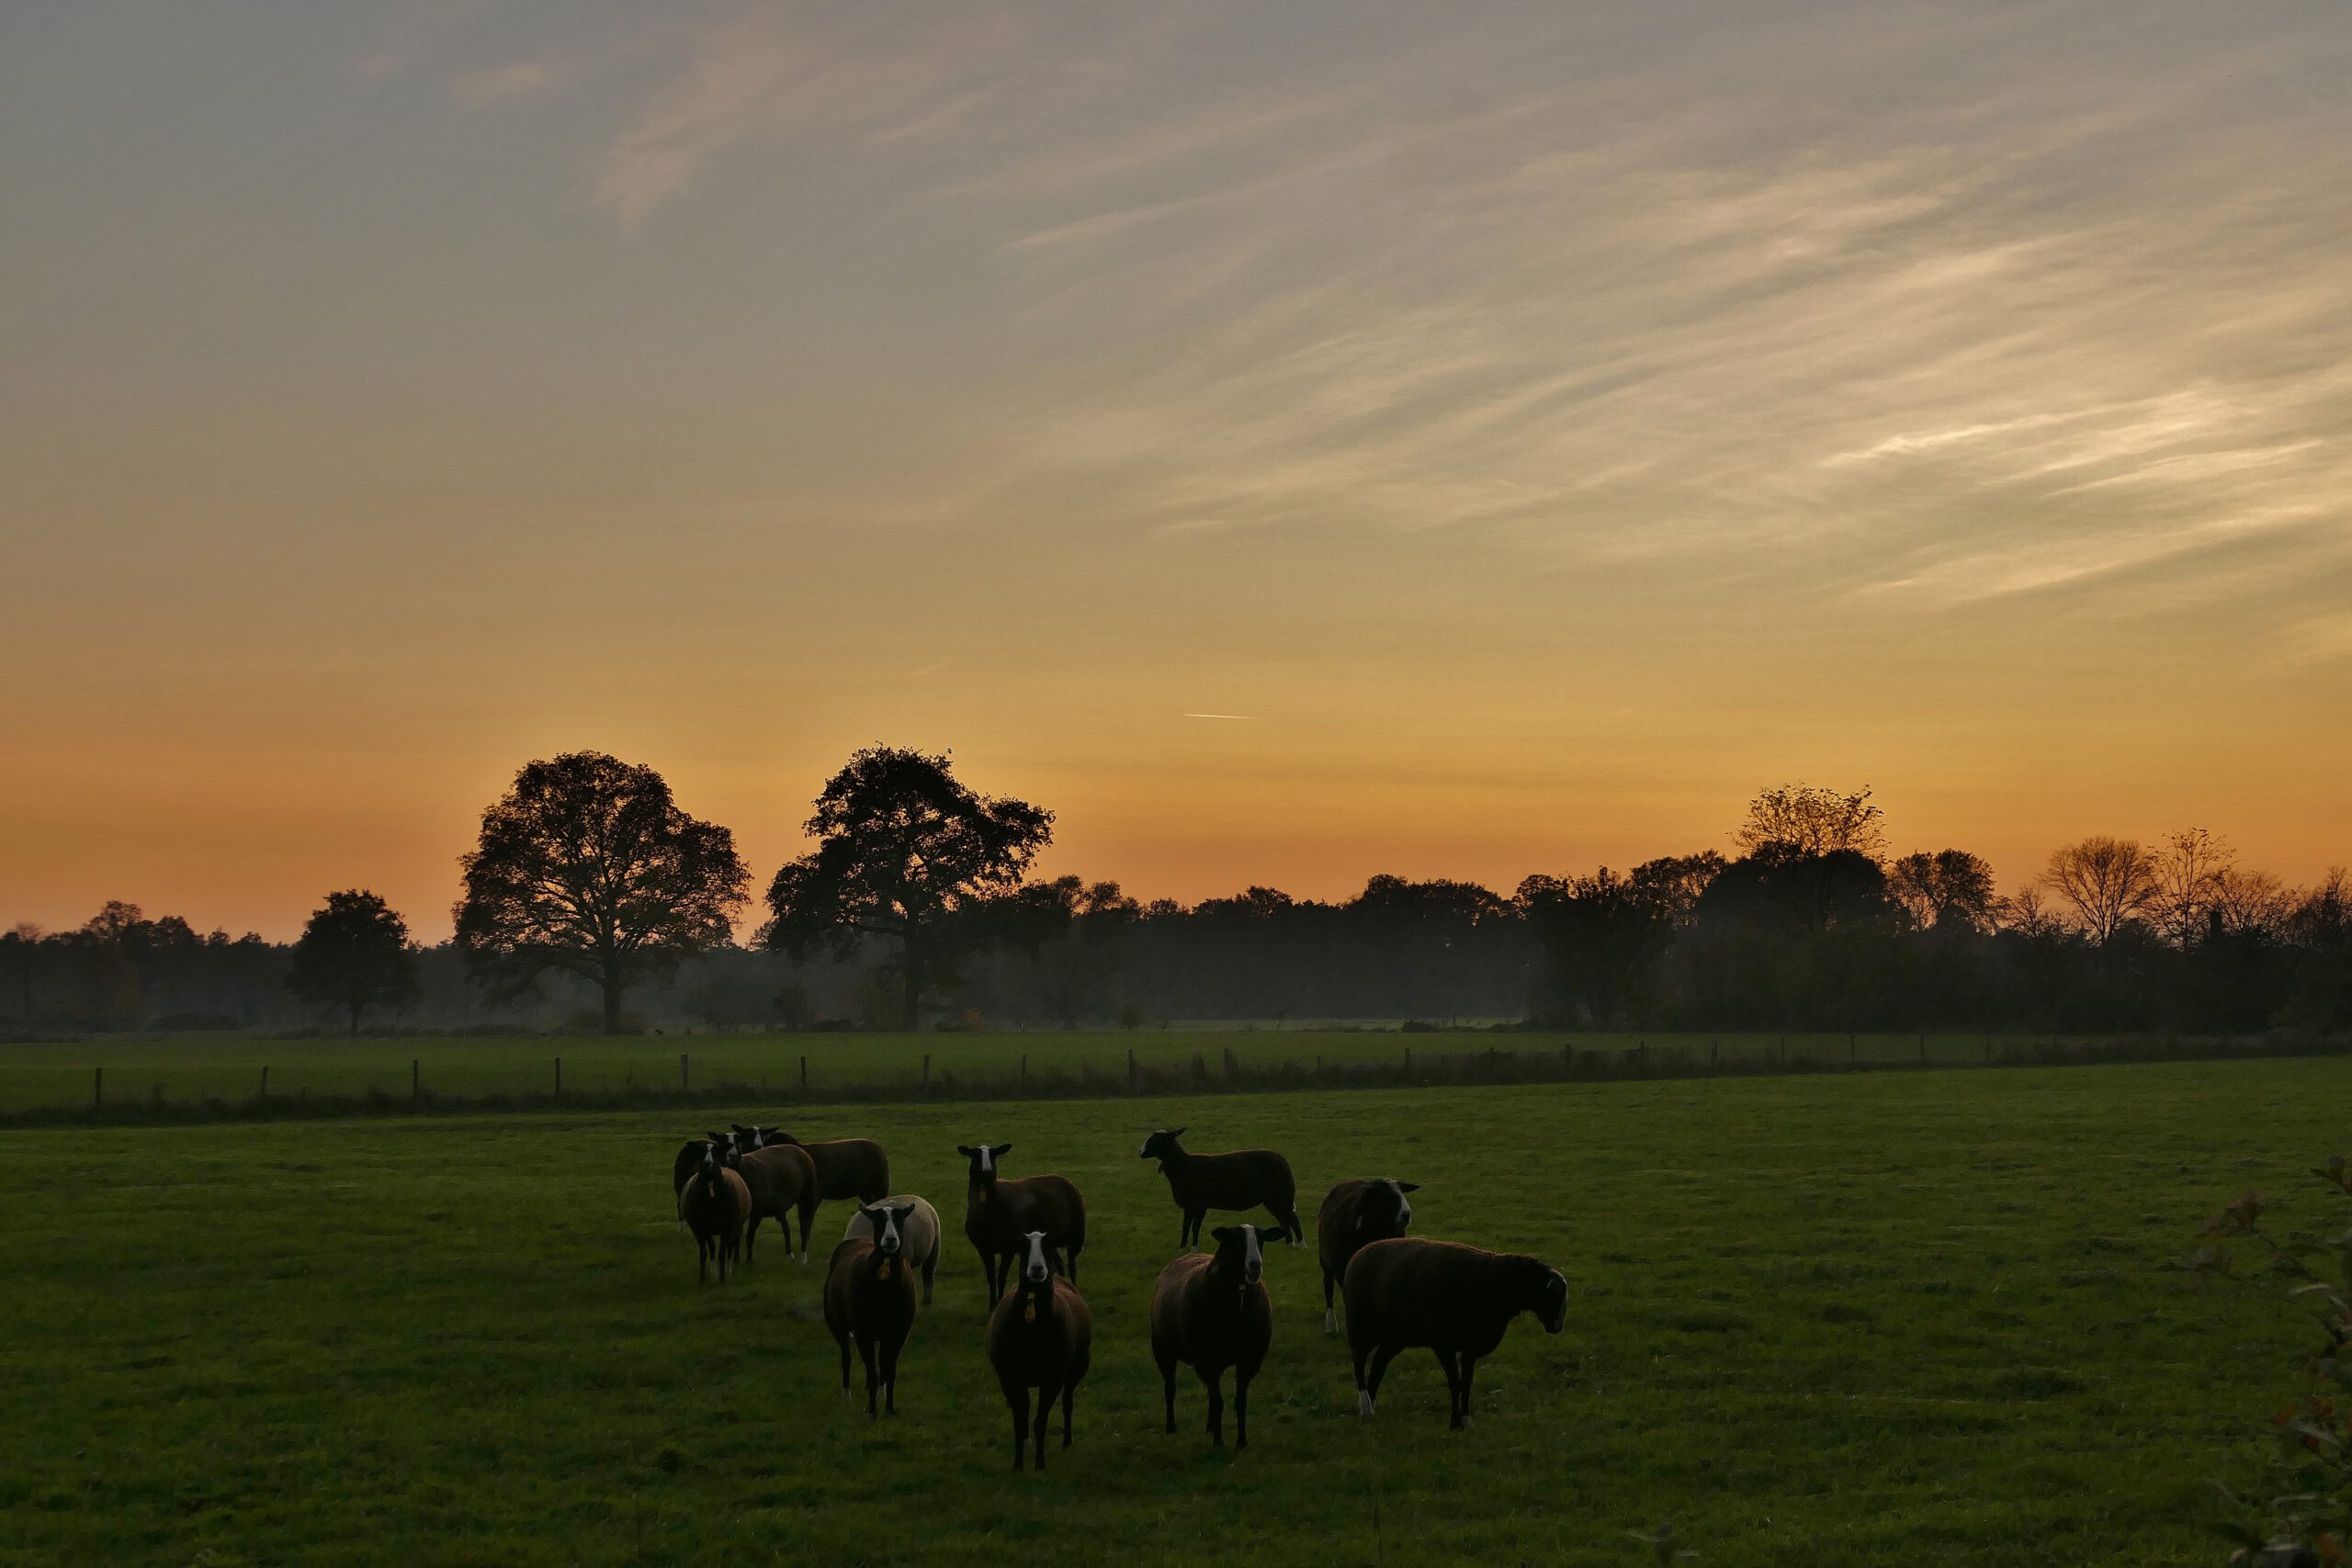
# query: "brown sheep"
{"type": "Point", "coordinates": [1356, 1212]}
{"type": "Point", "coordinates": [870, 1297]}
{"type": "Point", "coordinates": [714, 1204]}
{"type": "Point", "coordinates": [1041, 1336]}
{"type": "Point", "coordinates": [1454, 1299]}
{"type": "Point", "coordinates": [1211, 1311]}
{"type": "Point", "coordinates": [782, 1180]}
{"type": "Point", "coordinates": [918, 1232]}
{"type": "Point", "coordinates": [998, 1213]}
{"type": "Point", "coordinates": [1242, 1179]}
{"type": "Point", "coordinates": [689, 1159]}
{"type": "Point", "coordinates": [846, 1167]}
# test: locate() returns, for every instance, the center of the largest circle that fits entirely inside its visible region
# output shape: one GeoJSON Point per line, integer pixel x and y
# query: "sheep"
{"type": "Point", "coordinates": [783, 1181]}
{"type": "Point", "coordinates": [689, 1159]}
{"type": "Point", "coordinates": [997, 1214]}
{"type": "Point", "coordinates": [714, 1204]}
{"type": "Point", "coordinates": [751, 1139]}
{"type": "Point", "coordinates": [846, 1167]}
{"type": "Point", "coordinates": [1041, 1336]}
{"type": "Point", "coordinates": [1455, 1300]}
{"type": "Point", "coordinates": [1356, 1212]}
{"type": "Point", "coordinates": [920, 1233]}
{"type": "Point", "coordinates": [870, 1297]}
{"type": "Point", "coordinates": [1242, 1179]}
{"type": "Point", "coordinates": [1211, 1311]}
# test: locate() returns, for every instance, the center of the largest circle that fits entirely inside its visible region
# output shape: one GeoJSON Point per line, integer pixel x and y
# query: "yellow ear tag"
{"type": "Point", "coordinates": [1029, 1312]}
{"type": "Point", "coordinates": [886, 1269]}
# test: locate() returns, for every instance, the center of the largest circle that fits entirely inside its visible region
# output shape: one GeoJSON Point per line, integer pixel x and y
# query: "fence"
{"type": "Point", "coordinates": [1412, 1061]}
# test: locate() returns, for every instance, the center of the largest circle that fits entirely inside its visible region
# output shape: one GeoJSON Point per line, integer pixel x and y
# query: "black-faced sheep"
{"type": "Point", "coordinates": [1246, 1179]}
{"type": "Point", "coordinates": [1211, 1311]}
{"type": "Point", "coordinates": [998, 1213]}
{"type": "Point", "coordinates": [1041, 1336]}
{"type": "Point", "coordinates": [1455, 1300]}
{"type": "Point", "coordinates": [919, 1235]}
{"type": "Point", "coordinates": [870, 1298]}
{"type": "Point", "coordinates": [715, 1204]}
{"type": "Point", "coordinates": [783, 1181]}
{"type": "Point", "coordinates": [1354, 1212]}
{"type": "Point", "coordinates": [846, 1167]}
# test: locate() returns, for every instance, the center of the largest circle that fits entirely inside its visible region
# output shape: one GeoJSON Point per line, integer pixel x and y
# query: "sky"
{"type": "Point", "coordinates": [1291, 442]}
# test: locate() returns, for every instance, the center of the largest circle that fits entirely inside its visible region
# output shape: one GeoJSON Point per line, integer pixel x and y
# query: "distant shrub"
{"type": "Point", "coordinates": [189, 1023]}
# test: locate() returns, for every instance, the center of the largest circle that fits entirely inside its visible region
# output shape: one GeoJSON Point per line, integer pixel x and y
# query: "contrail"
{"type": "Point", "coordinates": [1251, 718]}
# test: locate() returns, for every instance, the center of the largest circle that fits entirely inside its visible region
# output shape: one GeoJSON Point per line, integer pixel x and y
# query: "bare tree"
{"type": "Point", "coordinates": [2105, 882]}
{"type": "Point", "coordinates": [1950, 888]}
{"type": "Point", "coordinates": [2027, 915]}
{"type": "Point", "coordinates": [2188, 868]}
{"type": "Point", "coordinates": [1802, 819]}
{"type": "Point", "coordinates": [2251, 902]}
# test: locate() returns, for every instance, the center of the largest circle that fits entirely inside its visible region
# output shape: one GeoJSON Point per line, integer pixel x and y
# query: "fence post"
{"type": "Point", "coordinates": [1409, 1064]}
{"type": "Point", "coordinates": [1923, 1047]}
{"type": "Point", "coordinates": [415, 1080]}
{"type": "Point", "coordinates": [1024, 1067]}
{"type": "Point", "coordinates": [1131, 1066]}
{"type": "Point", "coordinates": [685, 1079]}
{"type": "Point", "coordinates": [1714, 1052]}
{"type": "Point", "coordinates": [1988, 1047]}
{"type": "Point", "coordinates": [804, 1075]}
{"type": "Point", "coordinates": [1851, 1053]}
{"type": "Point", "coordinates": [98, 1087]}
{"type": "Point", "coordinates": [926, 1072]}
{"type": "Point", "coordinates": [559, 1078]}
{"type": "Point", "coordinates": [264, 1083]}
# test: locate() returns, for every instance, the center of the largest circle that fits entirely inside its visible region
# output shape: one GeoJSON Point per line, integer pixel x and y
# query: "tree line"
{"type": "Point", "coordinates": [590, 899]}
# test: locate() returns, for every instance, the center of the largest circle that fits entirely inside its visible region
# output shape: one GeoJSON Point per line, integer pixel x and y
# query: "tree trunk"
{"type": "Point", "coordinates": [612, 1003]}
{"type": "Point", "coordinates": [911, 1006]}
{"type": "Point", "coordinates": [355, 1016]}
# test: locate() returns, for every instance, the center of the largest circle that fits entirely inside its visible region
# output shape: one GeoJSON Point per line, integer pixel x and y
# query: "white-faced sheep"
{"type": "Point", "coordinates": [1452, 1299]}
{"type": "Point", "coordinates": [918, 1233]}
{"type": "Point", "coordinates": [870, 1298]}
{"type": "Point", "coordinates": [715, 1204]}
{"type": "Point", "coordinates": [1246, 1179]}
{"type": "Point", "coordinates": [998, 1213]}
{"type": "Point", "coordinates": [1041, 1336]}
{"type": "Point", "coordinates": [1210, 1311]}
{"type": "Point", "coordinates": [1354, 1212]}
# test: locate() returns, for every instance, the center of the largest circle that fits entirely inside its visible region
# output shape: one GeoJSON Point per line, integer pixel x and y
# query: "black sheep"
{"type": "Point", "coordinates": [1452, 1299]}
{"type": "Point", "coordinates": [1246, 1179]}
{"type": "Point", "coordinates": [1354, 1212]}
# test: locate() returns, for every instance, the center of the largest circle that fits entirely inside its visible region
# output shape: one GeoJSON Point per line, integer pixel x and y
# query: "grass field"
{"type": "Point", "coordinates": [52, 1074]}
{"type": "Point", "coordinates": [1910, 1319]}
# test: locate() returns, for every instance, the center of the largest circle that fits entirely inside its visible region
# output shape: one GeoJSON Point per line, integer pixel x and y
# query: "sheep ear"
{"type": "Point", "coordinates": [1179, 1133]}
{"type": "Point", "coordinates": [967, 1150]}
{"type": "Point", "coordinates": [1223, 1233]}
{"type": "Point", "coordinates": [1408, 1187]}
{"type": "Point", "coordinates": [715, 1137]}
{"type": "Point", "coordinates": [1001, 1150]}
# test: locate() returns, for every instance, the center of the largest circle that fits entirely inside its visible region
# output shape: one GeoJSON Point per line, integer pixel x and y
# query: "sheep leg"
{"type": "Point", "coordinates": [808, 1214]}
{"type": "Point", "coordinates": [1216, 1407]}
{"type": "Point", "coordinates": [1016, 1399]}
{"type": "Point", "coordinates": [930, 1267]}
{"type": "Point", "coordinates": [1469, 1370]}
{"type": "Point", "coordinates": [1069, 1394]}
{"type": "Point", "coordinates": [1330, 1316]}
{"type": "Point", "coordinates": [1240, 1409]}
{"type": "Point", "coordinates": [1381, 1355]}
{"type": "Point", "coordinates": [873, 1381]}
{"type": "Point", "coordinates": [890, 1379]}
{"type": "Point", "coordinates": [1453, 1389]}
{"type": "Point", "coordinates": [843, 1338]}
{"type": "Point", "coordinates": [1072, 1260]}
{"type": "Point", "coordinates": [1294, 1233]}
{"type": "Point", "coordinates": [1168, 1386]}
{"type": "Point", "coordinates": [1045, 1413]}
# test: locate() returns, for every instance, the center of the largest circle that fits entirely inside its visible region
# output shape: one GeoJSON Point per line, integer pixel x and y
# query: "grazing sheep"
{"type": "Point", "coordinates": [1041, 1336]}
{"type": "Point", "coordinates": [782, 1180]}
{"type": "Point", "coordinates": [1211, 1311]}
{"type": "Point", "coordinates": [846, 1167]}
{"type": "Point", "coordinates": [920, 1233]}
{"type": "Point", "coordinates": [1455, 1300]}
{"type": "Point", "coordinates": [1354, 1212]}
{"type": "Point", "coordinates": [713, 1205]}
{"type": "Point", "coordinates": [998, 1214]}
{"type": "Point", "coordinates": [1242, 1179]}
{"type": "Point", "coordinates": [870, 1297]}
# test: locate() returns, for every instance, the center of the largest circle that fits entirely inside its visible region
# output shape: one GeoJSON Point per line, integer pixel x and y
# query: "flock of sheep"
{"type": "Point", "coordinates": [1209, 1309]}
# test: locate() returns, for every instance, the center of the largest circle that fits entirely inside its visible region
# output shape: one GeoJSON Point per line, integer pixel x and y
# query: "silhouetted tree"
{"type": "Point", "coordinates": [588, 867]}
{"type": "Point", "coordinates": [905, 851]}
{"type": "Point", "coordinates": [353, 956]}
{"type": "Point", "coordinates": [2105, 882]}
{"type": "Point", "coordinates": [1802, 819]}
{"type": "Point", "coordinates": [22, 945]}
{"type": "Point", "coordinates": [1600, 936]}
{"type": "Point", "coordinates": [1946, 890]}
{"type": "Point", "coordinates": [2187, 868]}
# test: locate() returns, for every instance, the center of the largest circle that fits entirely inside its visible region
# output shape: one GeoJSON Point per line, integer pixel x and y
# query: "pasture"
{"type": "Point", "coordinates": [45, 1075]}
{"type": "Point", "coordinates": [1915, 1318]}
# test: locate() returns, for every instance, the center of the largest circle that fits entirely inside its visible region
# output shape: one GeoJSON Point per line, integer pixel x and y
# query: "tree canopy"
{"type": "Point", "coordinates": [353, 955]}
{"type": "Point", "coordinates": [588, 866]}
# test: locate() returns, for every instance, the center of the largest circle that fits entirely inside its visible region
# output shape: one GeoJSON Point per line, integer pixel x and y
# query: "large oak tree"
{"type": "Point", "coordinates": [907, 851]}
{"type": "Point", "coordinates": [587, 867]}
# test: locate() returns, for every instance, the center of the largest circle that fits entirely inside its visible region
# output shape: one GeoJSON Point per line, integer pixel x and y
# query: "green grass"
{"type": "Point", "coordinates": [49, 1074]}
{"type": "Point", "coordinates": [1915, 1318]}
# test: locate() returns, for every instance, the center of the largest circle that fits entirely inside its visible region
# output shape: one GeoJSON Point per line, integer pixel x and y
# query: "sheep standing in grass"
{"type": "Point", "coordinates": [783, 1182]}
{"type": "Point", "coordinates": [918, 1233]}
{"type": "Point", "coordinates": [1041, 1336]}
{"type": "Point", "coordinates": [1452, 1299]}
{"type": "Point", "coordinates": [1211, 1311]}
{"type": "Point", "coordinates": [1245, 1179]}
{"type": "Point", "coordinates": [870, 1298]}
{"type": "Point", "coordinates": [846, 1167]}
{"type": "Point", "coordinates": [689, 1159]}
{"type": "Point", "coordinates": [1354, 1212]}
{"type": "Point", "coordinates": [715, 1204]}
{"type": "Point", "coordinates": [998, 1214]}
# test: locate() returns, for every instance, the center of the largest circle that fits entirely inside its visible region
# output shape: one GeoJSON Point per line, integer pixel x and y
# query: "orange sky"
{"type": "Point", "coordinates": [1545, 429]}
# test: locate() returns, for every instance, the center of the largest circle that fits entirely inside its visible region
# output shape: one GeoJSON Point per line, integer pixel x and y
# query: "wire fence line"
{"type": "Point", "coordinates": [441, 1085]}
